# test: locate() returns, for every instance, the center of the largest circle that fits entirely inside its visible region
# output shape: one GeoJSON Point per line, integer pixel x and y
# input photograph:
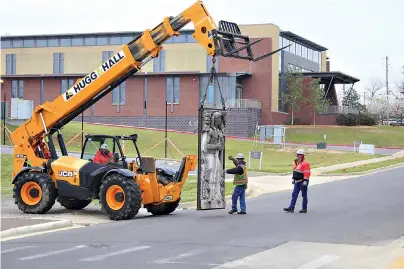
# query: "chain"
{"type": "Point", "coordinates": [212, 74]}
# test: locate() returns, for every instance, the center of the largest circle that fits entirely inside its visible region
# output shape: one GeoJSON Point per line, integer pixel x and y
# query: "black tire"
{"type": "Point", "coordinates": [74, 204]}
{"type": "Point", "coordinates": [47, 187]}
{"type": "Point", "coordinates": [132, 197]}
{"type": "Point", "coordinates": [162, 209]}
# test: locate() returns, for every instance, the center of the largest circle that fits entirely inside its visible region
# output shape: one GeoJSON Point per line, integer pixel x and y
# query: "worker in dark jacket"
{"type": "Point", "coordinates": [241, 181]}
{"type": "Point", "coordinates": [300, 179]}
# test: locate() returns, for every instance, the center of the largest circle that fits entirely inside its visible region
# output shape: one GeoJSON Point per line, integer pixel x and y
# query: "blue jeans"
{"type": "Point", "coordinates": [239, 191]}
{"type": "Point", "coordinates": [297, 188]}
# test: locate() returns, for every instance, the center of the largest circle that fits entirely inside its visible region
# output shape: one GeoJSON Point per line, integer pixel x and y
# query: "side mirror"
{"type": "Point", "coordinates": [116, 157]}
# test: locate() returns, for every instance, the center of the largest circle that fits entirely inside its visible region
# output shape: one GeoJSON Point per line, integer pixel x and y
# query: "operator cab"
{"type": "Point", "coordinates": [124, 153]}
{"type": "Point", "coordinates": [105, 150]}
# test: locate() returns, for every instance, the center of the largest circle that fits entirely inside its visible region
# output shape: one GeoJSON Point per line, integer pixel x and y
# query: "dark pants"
{"type": "Point", "coordinates": [239, 191]}
{"type": "Point", "coordinates": [297, 188]}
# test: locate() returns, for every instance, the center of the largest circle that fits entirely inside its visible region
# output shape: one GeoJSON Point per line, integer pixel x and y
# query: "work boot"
{"type": "Point", "coordinates": [232, 211]}
{"type": "Point", "coordinates": [303, 211]}
{"type": "Point", "coordinates": [242, 212]}
{"type": "Point", "coordinates": [288, 209]}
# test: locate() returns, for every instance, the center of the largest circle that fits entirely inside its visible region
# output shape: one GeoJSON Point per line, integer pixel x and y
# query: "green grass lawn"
{"type": "Point", "coordinates": [189, 192]}
{"type": "Point", "coordinates": [387, 136]}
{"type": "Point", "coordinates": [368, 167]}
{"type": "Point", "coordinates": [6, 171]}
{"type": "Point", "coordinates": [274, 160]}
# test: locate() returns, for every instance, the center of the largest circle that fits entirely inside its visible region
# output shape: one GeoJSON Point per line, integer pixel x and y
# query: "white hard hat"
{"type": "Point", "coordinates": [104, 146]}
{"type": "Point", "coordinates": [240, 156]}
{"type": "Point", "coordinates": [300, 152]}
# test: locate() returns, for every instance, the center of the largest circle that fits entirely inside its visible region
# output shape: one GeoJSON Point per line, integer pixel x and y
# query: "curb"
{"type": "Point", "coordinates": [380, 169]}
{"type": "Point", "coordinates": [36, 228]}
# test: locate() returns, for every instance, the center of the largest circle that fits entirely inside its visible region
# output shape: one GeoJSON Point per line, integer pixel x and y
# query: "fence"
{"type": "Point", "coordinates": [334, 110]}
{"type": "Point", "coordinates": [244, 104]}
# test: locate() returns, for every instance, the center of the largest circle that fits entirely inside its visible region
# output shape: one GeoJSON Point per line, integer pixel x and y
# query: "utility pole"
{"type": "Point", "coordinates": [387, 90]}
{"type": "Point", "coordinates": [364, 98]}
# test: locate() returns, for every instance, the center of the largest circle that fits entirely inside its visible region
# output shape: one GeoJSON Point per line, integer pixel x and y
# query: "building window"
{"type": "Point", "coordinates": [159, 63]}
{"type": "Point", "coordinates": [17, 89]}
{"type": "Point", "coordinates": [5, 44]}
{"type": "Point", "coordinates": [304, 52]}
{"type": "Point", "coordinates": [118, 94]}
{"type": "Point", "coordinates": [11, 63]}
{"type": "Point", "coordinates": [315, 56]}
{"type": "Point", "coordinates": [106, 55]}
{"type": "Point", "coordinates": [211, 94]}
{"type": "Point", "coordinates": [41, 42]}
{"type": "Point", "coordinates": [173, 90]}
{"type": "Point", "coordinates": [66, 42]}
{"type": "Point", "coordinates": [126, 39]}
{"type": "Point", "coordinates": [90, 41]}
{"type": "Point", "coordinates": [115, 40]}
{"type": "Point", "coordinates": [77, 41]}
{"type": "Point", "coordinates": [41, 92]}
{"type": "Point", "coordinates": [17, 43]}
{"type": "Point", "coordinates": [53, 42]}
{"type": "Point", "coordinates": [298, 50]}
{"type": "Point", "coordinates": [66, 84]}
{"type": "Point", "coordinates": [29, 43]}
{"type": "Point", "coordinates": [102, 40]}
{"type": "Point", "coordinates": [58, 63]}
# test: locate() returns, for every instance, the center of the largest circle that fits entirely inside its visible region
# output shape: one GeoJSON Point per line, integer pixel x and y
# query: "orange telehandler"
{"type": "Point", "coordinates": [41, 177]}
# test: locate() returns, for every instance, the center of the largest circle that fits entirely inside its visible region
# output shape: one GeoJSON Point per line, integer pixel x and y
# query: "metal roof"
{"type": "Point", "coordinates": [337, 77]}
{"type": "Point", "coordinates": [301, 40]}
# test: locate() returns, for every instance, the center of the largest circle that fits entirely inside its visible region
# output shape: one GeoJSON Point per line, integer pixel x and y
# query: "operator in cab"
{"type": "Point", "coordinates": [300, 179]}
{"type": "Point", "coordinates": [103, 155]}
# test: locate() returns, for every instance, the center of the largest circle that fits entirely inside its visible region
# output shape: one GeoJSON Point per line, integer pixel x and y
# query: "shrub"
{"type": "Point", "coordinates": [367, 120]}
{"type": "Point", "coordinates": [347, 119]}
{"type": "Point", "coordinates": [351, 119]}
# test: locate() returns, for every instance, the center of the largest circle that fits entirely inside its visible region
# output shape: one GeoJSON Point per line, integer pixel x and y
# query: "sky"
{"type": "Point", "coordinates": [359, 34]}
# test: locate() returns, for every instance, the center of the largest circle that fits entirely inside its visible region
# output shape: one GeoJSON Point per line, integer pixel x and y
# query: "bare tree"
{"type": "Point", "coordinates": [376, 85]}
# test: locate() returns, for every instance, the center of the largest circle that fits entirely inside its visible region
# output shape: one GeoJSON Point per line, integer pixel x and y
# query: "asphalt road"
{"type": "Point", "coordinates": [362, 211]}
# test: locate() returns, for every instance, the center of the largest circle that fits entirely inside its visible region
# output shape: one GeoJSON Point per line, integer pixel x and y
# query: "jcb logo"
{"type": "Point", "coordinates": [65, 173]}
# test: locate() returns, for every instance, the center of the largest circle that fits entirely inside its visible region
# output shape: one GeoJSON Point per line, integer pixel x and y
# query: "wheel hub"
{"type": "Point", "coordinates": [119, 197]}
{"type": "Point", "coordinates": [115, 197]}
{"type": "Point", "coordinates": [34, 193]}
{"type": "Point", "coordinates": [31, 193]}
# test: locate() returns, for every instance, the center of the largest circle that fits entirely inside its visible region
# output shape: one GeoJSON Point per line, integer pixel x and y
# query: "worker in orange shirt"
{"type": "Point", "coordinates": [301, 177]}
{"type": "Point", "coordinates": [103, 155]}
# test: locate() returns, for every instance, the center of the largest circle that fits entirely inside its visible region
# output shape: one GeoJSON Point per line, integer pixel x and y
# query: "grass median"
{"type": "Point", "coordinates": [380, 136]}
{"type": "Point", "coordinates": [189, 192]}
{"type": "Point", "coordinates": [368, 167]}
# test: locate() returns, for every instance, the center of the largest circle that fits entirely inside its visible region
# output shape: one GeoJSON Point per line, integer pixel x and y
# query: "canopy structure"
{"type": "Point", "coordinates": [329, 79]}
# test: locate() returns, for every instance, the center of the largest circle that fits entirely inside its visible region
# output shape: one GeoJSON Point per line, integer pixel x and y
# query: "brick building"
{"type": "Point", "coordinates": [40, 68]}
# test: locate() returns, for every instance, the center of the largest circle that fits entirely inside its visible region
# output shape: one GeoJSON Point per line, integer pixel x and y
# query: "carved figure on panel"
{"type": "Point", "coordinates": [212, 173]}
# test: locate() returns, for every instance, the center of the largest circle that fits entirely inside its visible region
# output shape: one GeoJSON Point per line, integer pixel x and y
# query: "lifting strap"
{"type": "Point", "coordinates": [213, 75]}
